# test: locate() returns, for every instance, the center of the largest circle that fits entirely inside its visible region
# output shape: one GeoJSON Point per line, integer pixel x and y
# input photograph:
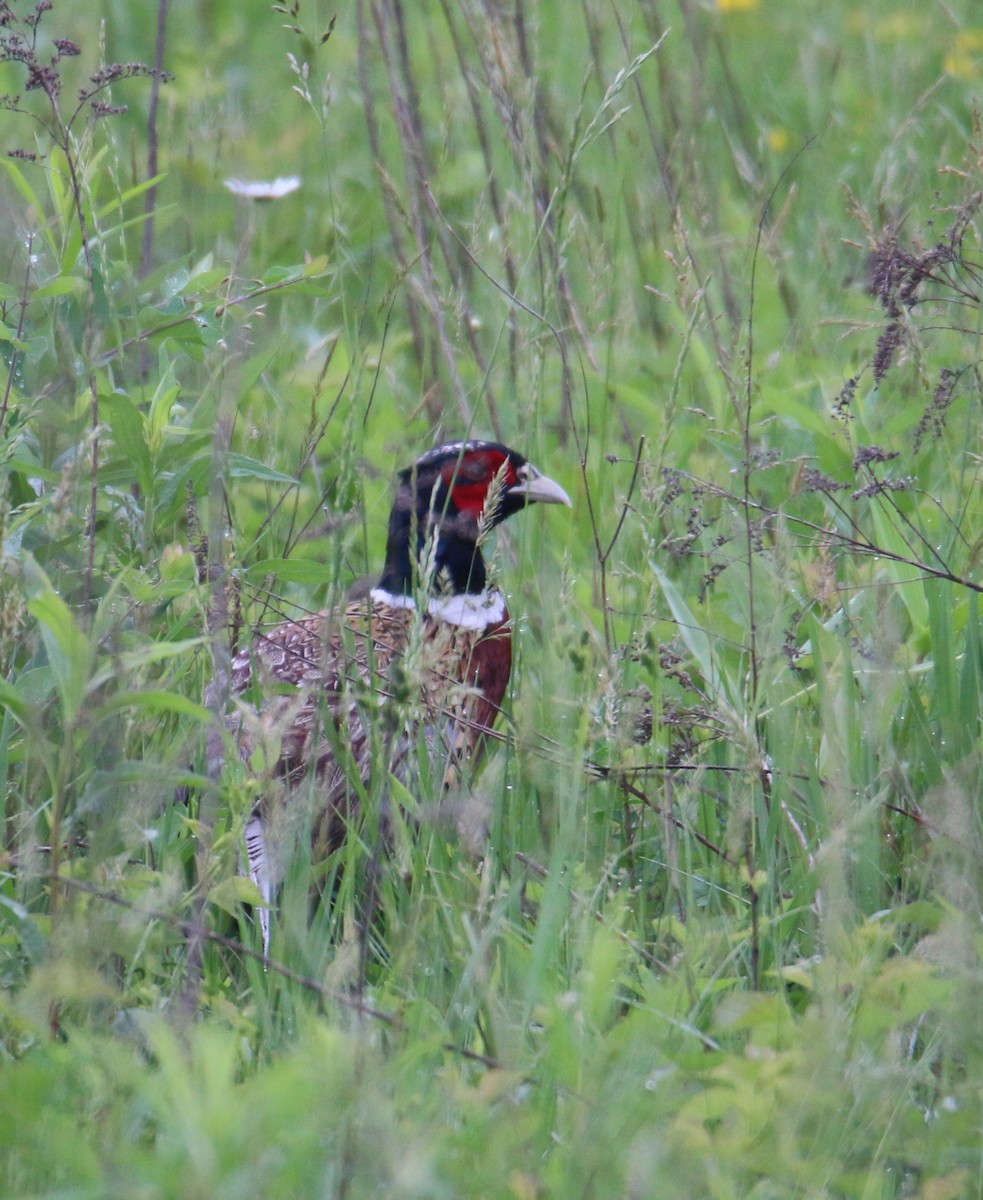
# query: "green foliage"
{"type": "Point", "coordinates": [708, 923]}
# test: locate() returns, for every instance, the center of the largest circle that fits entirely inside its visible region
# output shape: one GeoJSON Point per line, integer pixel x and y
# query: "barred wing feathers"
{"type": "Point", "coordinates": [317, 683]}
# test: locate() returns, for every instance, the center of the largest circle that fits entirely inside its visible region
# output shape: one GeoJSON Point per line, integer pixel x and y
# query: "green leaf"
{"type": "Point", "coordinates": [202, 468]}
{"type": "Point", "coordinates": [63, 285]}
{"type": "Point", "coordinates": [30, 195]}
{"type": "Point", "coordinates": [696, 638]}
{"type": "Point", "coordinates": [69, 650]}
{"type": "Point", "coordinates": [230, 894]}
{"type": "Point", "coordinates": [280, 274]}
{"type": "Point", "coordinates": [938, 594]}
{"type": "Point", "coordinates": [158, 419]}
{"type": "Point", "coordinates": [151, 652]}
{"type": "Point", "coordinates": [904, 574]}
{"type": "Point", "coordinates": [32, 940]}
{"type": "Point", "coordinates": [783, 404]}
{"type": "Point", "coordinates": [129, 433]}
{"type": "Point", "coordinates": [240, 466]}
{"type": "Point", "coordinates": [130, 194]}
{"type": "Point", "coordinates": [317, 265]}
{"type": "Point", "coordinates": [156, 700]}
{"type": "Point", "coordinates": [205, 281]}
{"type": "Point", "coordinates": [12, 700]}
{"type": "Point", "coordinates": [10, 335]}
{"type": "Point", "coordinates": [922, 913]}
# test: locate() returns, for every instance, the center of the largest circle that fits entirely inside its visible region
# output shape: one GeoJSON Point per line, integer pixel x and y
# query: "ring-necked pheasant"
{"type": "Point", "coordinates": [424, 659]}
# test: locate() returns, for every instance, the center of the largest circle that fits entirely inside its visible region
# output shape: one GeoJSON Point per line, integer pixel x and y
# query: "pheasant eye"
{"type": "Point", "coordinates": [476, 469]}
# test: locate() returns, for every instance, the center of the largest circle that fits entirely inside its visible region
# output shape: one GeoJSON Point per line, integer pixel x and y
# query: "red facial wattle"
{"type": "Point", "coordinates": [470, 478]}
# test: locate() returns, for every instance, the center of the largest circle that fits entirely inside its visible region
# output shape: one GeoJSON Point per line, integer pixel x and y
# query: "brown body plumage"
{"type": "Point", "coordinates": [340, 669]}
{"type": "Point", "coordinates": [333, 697]}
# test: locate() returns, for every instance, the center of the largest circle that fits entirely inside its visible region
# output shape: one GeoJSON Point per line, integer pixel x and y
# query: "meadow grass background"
{"type": "Point", "coordinates": [714, 267]}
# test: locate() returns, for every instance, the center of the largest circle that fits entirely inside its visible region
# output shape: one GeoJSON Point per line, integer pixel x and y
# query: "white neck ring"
{"type": "Point", "coordinates": [468, 610]}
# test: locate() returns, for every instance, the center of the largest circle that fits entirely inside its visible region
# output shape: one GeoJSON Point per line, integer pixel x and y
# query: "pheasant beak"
{"type": "Point", "coordinates": [537, 488]}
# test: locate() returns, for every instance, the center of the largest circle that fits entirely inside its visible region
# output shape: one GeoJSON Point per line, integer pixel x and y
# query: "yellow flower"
{"type": "Point", "coordinates": [777, 138]}
{"type": "Point", "coordinates": [962, 62]}
{"type": "Point", "coordinates": [900, 27]}
{"type": "Point", "coordinates": [731, 6]}
{"type": "Point", "coordinates": [969, 40]}
{"type": "Point", "coordinates": [960, 66]}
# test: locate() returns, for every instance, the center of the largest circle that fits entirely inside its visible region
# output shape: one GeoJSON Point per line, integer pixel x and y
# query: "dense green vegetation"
{"type": "Point", "coordinates": [717, 269]}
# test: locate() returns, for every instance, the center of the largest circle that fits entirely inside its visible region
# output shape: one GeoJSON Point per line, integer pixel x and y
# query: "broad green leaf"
{"type": "Point", "coordinates": [904, 989]}
{"type": "Point", "coordinates": [23, 186]}
{"type": "Point", "coordinates": [799, 975]}
{"type": "Point", "coordinates": [17, 704]}
{"type": "Point", "coordinates": [63, 285]}
{"type": "Point", "coordinates": [280, 274]}
{"type": "Point", "coordinates": [230, 894]}
{"type": "Point", "coordinates": [206, 281]}
{"type": "Point", "coordinates": [10, 335]}
{"type": "Point", "coordinates": [241, 466]}
{"type": "Point", "coordinates": [9, 903]}
{"type": "Point", "coordinates": [161, 406]}
{"type": "Point", "coordinates": [785, 406]}
{"type": "Point", "coordinates": [690, 630]}
{"type": "Point", "coordinates": [254, 367]}
{"type": "Point", "coordinates": [157, 700]}
{"type": "Point", "coordinates": [142, 656]}
{"type": "Point", "coordinates": [69, 650]}
{"type": "Point", "coordinates": [32, 939]}
{"type": "Point", "coordinates": [904, 574]}
{"type": "Point", "coordinates": [922, 913]}
{"type": "Point", "coordinates": [201, 470]}
{"type": "Point", "coordinates": [129, 432]}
